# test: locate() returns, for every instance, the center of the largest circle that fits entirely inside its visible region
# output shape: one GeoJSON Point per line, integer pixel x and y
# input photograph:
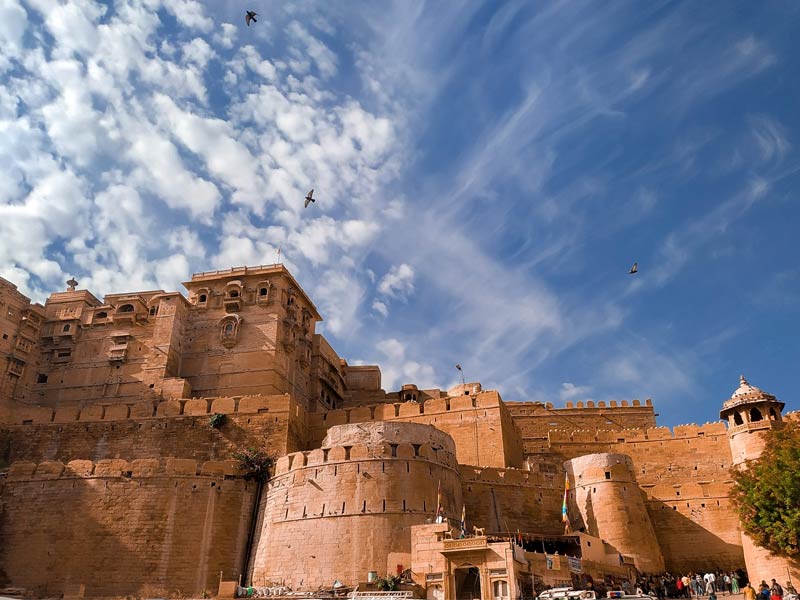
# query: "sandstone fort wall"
{"type": "Point", "coordinates": [480, 425]}
{"type": "Point", "coordinates": [153, 429]}
{"type": "Point", "coordinates": [340, 512]}
{"type": "Point", "coordinates": [611, 506]}
{"type": "Point", "coordinates": [146, 527]}
{"type": "Point", "coordinates": [511, 500]}
{"type": "Point", "coordinates": [536, 419]}
{"type": "Point", "coordinates": [696, 525]}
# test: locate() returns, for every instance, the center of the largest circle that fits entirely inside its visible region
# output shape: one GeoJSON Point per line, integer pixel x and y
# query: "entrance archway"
{"type": "Point", "coordinates": [468, 583]}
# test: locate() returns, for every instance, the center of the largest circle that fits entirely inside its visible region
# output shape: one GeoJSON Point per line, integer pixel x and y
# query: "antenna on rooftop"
{"type": "Point", "coordinates": [462, 375]}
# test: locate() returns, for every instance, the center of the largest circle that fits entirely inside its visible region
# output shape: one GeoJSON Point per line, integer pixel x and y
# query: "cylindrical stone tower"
{"type": "Point", "coordinates": [611, 506]}
{"type": "Point", "coordinates": [346, 509]}
{"type": "Point", "coordinates": [750, 412]}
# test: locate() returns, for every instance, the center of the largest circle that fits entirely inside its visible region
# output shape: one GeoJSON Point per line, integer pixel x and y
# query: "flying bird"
{"type": "Point", "coordinates": [309, 198]}
{"type": "Point", "coordinates": [250, 16]}
{"type": "Point", "coordinates": [634, 269]}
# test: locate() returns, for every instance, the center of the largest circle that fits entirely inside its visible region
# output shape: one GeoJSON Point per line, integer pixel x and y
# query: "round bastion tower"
{"type": "Point", "coordinates": [611, 506]}
{"type": "Point", "coordinates": [750, 412]}
{"type": "Point", "coordinates": [347, 508]}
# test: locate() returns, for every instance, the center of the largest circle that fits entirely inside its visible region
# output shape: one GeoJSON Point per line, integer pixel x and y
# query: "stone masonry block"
{"type": "Point", "coordinates": [195, 407]}
{"type": "Point", "coordinates": [50, 469]}
{"type": "Point", "coordinates": [111, 467]}
{"type": "Point", "coordinates": [223, 405]}
{"type": "Point", "coordinates": [119, 412]}
{"type": "Point", "coordinates": [21, 470]}
{"type": "Point", "coordinates": [169, 408]}
{"type": "Point", "coordinates": [142, 409]}
{"type": "Point", "coordinates": [145, 467]}
{"type": "Point", "coordinates": [92, 413]}
{"type": "Point", "coordinates": [81, 468]}
{"type": "Point", "coordinates": [66, 415]}
{"type": "Point", "coordinates": [181, 466]}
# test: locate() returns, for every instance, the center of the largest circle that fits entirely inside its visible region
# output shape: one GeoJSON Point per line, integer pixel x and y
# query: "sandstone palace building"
{"type": "Point", "coordinates": [114, 482]}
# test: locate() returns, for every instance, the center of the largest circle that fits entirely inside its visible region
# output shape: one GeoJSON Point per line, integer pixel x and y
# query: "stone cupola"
{"type": "Point", "coordinates": [750, 408]}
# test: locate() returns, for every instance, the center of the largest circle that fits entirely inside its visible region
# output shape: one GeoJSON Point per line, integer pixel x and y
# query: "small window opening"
{"type": "Point", "coordinates": [608, 474]}
{"type": "Point", "coordinates": [262, 292]}
{"type": "Point", "coordinates": [126, 308]}
{"type": "Point", "coordinates": [755, 415]}
{"type": "Point", "coordinates": [42, 378]}
{"type": "Point", "coordinates": [202, 298]}
{"type": "Point", "coordinates": [102, 315]}
{"type": "Point", "coordinates": [65, 328]}
{"type": "Point", "coordinates": [737, 419]}
{"type": "Point", "coordinates": [234, 294]}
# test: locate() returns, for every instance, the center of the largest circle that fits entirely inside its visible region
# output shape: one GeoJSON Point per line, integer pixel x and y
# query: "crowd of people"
{"type": "Point", "coordinates": [711, 585]}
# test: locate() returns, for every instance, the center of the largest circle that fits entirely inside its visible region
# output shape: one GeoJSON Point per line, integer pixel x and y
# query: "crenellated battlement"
{"type": "Point", "coordinates": [690, 490]}
{"type": "Point", "coordinates": [690, 431]}
{"type": "Point", "coordinates": [405, 410]}
{"type": "Point", "coordinates": [194, 407]}
{"type": "Point", "coordinates": [120, 468]}
{"type": "Point", "coordinates": [361, 452]}
{"type": "Point", "coordinates": [514, 477]}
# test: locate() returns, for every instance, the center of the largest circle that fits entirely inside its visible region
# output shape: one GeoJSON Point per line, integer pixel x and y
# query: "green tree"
{"type": "Point", "coordinates": [767, 494]}
{"type": "Point", "coordinates": [256, 464]}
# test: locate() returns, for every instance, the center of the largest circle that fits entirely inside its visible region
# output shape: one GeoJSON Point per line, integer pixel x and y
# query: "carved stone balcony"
{"type": "Point", "coordinates": [472, 544]}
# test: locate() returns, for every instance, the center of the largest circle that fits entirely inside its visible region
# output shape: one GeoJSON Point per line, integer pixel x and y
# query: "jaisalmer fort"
{"type": "Point", "coordinates": [121, 419]}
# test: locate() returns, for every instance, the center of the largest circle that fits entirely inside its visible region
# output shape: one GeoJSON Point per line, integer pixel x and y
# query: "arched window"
{"type": "Point", "coordinates": [737, 419]}
{"type": "Point", "coordinates": [772, 415]}
{"type": "Point", "coordinates": [500, 590]}
{"type": "Point", "coordinates": [229, 328]}
{"type": "Point", "coordinates": [65, 328]}
{"type": "Point", "coordinates": [202, 299]}
{"type": "Point", "coordinates": [263, 291]}
{"type": "Point", "coordinates": [234, 293]}
{"type": "Point", "coordinates": [126, 308]}
{"type": "Point", "coordinates": [755, 415]}
{"type": "Point", "coordinates": [102, 315]}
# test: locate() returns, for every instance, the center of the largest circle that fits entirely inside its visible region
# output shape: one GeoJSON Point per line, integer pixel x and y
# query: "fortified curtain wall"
{"type": "Point", "coordinates": [340, 512]}
{"type": "Point", "coordinates": [685, 476]}
{"type": "Point", "coordinates": [146, 528]}
{"type": "Point", "coordinates": [536, 419]}
{"type": "Point", "coordinates": [480, 425]}
{"type": "Point", "coordinates": [154, 429]}
{"type": "Point", "coordinates": [511, 500]}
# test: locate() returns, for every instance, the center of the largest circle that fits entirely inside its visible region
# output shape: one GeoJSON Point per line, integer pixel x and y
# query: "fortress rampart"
{"type": "Point", "coordinates": [353, 505]}
{"type": "Point", "coordinates": [611, 506]}
{"type": "Point", "coordinates": [480, 425]}
{"type": "Point", "coordinates": [143, 527]}
{"type": "Point", "coordinates": [510, 500]}
{"type": "Point", "coordinates": [153, 429]}
{"type": "Point", "coordinates": [690, 452]}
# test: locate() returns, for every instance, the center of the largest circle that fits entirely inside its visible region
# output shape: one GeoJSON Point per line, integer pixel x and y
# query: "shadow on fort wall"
{"type": "Point", "coordinates": [157, 536]}
{"type": "Point", "coordinates": [184, 436]}
{"type": "Point", "coordinates": [687, 546]}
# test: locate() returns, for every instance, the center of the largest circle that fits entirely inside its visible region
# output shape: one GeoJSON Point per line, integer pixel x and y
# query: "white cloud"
{"type": "Point", "coordinates": [398, 282]}
{"type": "Point", "coordinates": [569, 391]}
{"type": "Point", "coordinates": [770, 137]}
{"type": "Point", "coordinates": [398, 369]}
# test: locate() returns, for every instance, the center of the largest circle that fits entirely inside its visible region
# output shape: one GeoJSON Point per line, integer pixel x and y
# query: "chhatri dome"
{"type": "Point", "coordinates": [761, 405]}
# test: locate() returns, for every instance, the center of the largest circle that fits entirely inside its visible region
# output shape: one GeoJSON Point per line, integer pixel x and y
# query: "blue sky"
{"type": "Point", "coordinates": [486, 175]}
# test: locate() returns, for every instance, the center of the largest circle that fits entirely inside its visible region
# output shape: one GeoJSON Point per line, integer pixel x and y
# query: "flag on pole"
{"type": "Point", "coordinates": [463, 520]}
{"type": "Point", "coordinates": [278, 251]}
{"type": "Point", "coordinates": [439, 511]}
{"type": "Point", "coordinates": [564, 516]}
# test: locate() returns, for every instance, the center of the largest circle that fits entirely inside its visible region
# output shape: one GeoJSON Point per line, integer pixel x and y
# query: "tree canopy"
{"type": "Point", "coordinates": [767, 494]}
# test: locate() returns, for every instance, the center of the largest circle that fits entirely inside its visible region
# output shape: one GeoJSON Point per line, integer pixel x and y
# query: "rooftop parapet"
{"type": "Point", "coordinates": [25, 414]}
{"type": "Point", "coordinates": [715, 428]}
{"type": "Point", "coordinates": [119, 468]}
